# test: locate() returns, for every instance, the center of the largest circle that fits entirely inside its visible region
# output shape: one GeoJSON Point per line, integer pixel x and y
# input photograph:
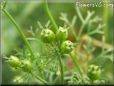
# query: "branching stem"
{"type": "Point", "coordinates": [61, 69]}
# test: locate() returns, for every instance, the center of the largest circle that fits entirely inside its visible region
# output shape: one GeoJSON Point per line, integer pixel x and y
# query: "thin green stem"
{"type": "Point", "coordinates": [61, 69]}
{"type": "Point", "coordinates": [39, 78]}
{"type": "Point", "coordinates": [50, 16]}
{"type": "Point", "coordinates": [80, 32]}
{"type": "Point", "coordinates": [77, 65]}
{"type": "Point", "coordinates": [19, 30]}
{"type": "Point", "coordinates": [105, 19]}
{"type": "Point", "coordinates": [40, 71]}
{"type": "Point", "coordinates": [73, 26]}
{"type": "Point", "coordinates": [79, 14]}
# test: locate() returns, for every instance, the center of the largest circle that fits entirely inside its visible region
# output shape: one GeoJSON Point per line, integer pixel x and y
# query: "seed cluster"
{"type": "Point", "coordinates": [94, 72]}
{"type": "Point", "coordinates": [60, 35]}
{"type": "Point", "coordinates": [16, 63]}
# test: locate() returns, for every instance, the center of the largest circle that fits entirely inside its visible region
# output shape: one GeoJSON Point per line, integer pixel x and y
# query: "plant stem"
{"type": "Point", "coordinates": [105, 19]}
{"type": "Point", "coordinates": [54, 29]}
{"type": "Point", "coordinates": [61, 69]}
{"type": "Point", "coordinates": [39, 78]}
{"type": "Point", "coordinates": [75, 61]}
{"type": "Point", "coordinates": [79, 14]}
{"type": "Point", "coordinates": [19, 30]}
{"type": "Point", "coordinates": [50, 16]}
{"type": "Point", "coordinates": [40, 71]}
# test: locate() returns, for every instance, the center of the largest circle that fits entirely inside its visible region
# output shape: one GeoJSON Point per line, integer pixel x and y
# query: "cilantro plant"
{"type": "Point", "coordinates": [49, 66]}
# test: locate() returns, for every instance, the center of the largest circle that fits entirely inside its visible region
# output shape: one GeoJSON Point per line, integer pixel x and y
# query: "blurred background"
{"type": "Point", "coordinates": [27, 14]}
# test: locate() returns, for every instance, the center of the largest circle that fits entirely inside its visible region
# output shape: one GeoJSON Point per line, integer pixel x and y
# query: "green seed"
{"type": "Point", "coordinates": [67, 46]}
{"type": "Point", "coordinates": [61, 34]}
{"type": "Point", "coordinates": [47, 35]}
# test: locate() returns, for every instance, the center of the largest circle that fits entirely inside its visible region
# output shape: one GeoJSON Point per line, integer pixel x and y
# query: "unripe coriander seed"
{"type": "Point", "coordinates": [14, 61]}
{"type": "Point", "coordinates": [26, 65]}
{"type": "Point", "coordinates": [67, 47]}
{"type": "Point", "coordinates": [62, 34]}
{"type": "Point", "coordinates": [94, 72]}
{"type": "Point", "coordinates": [47, 35]}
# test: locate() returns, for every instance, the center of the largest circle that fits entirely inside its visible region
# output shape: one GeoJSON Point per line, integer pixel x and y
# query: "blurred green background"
{"type": "Point", "coordinates": [27, 14]}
